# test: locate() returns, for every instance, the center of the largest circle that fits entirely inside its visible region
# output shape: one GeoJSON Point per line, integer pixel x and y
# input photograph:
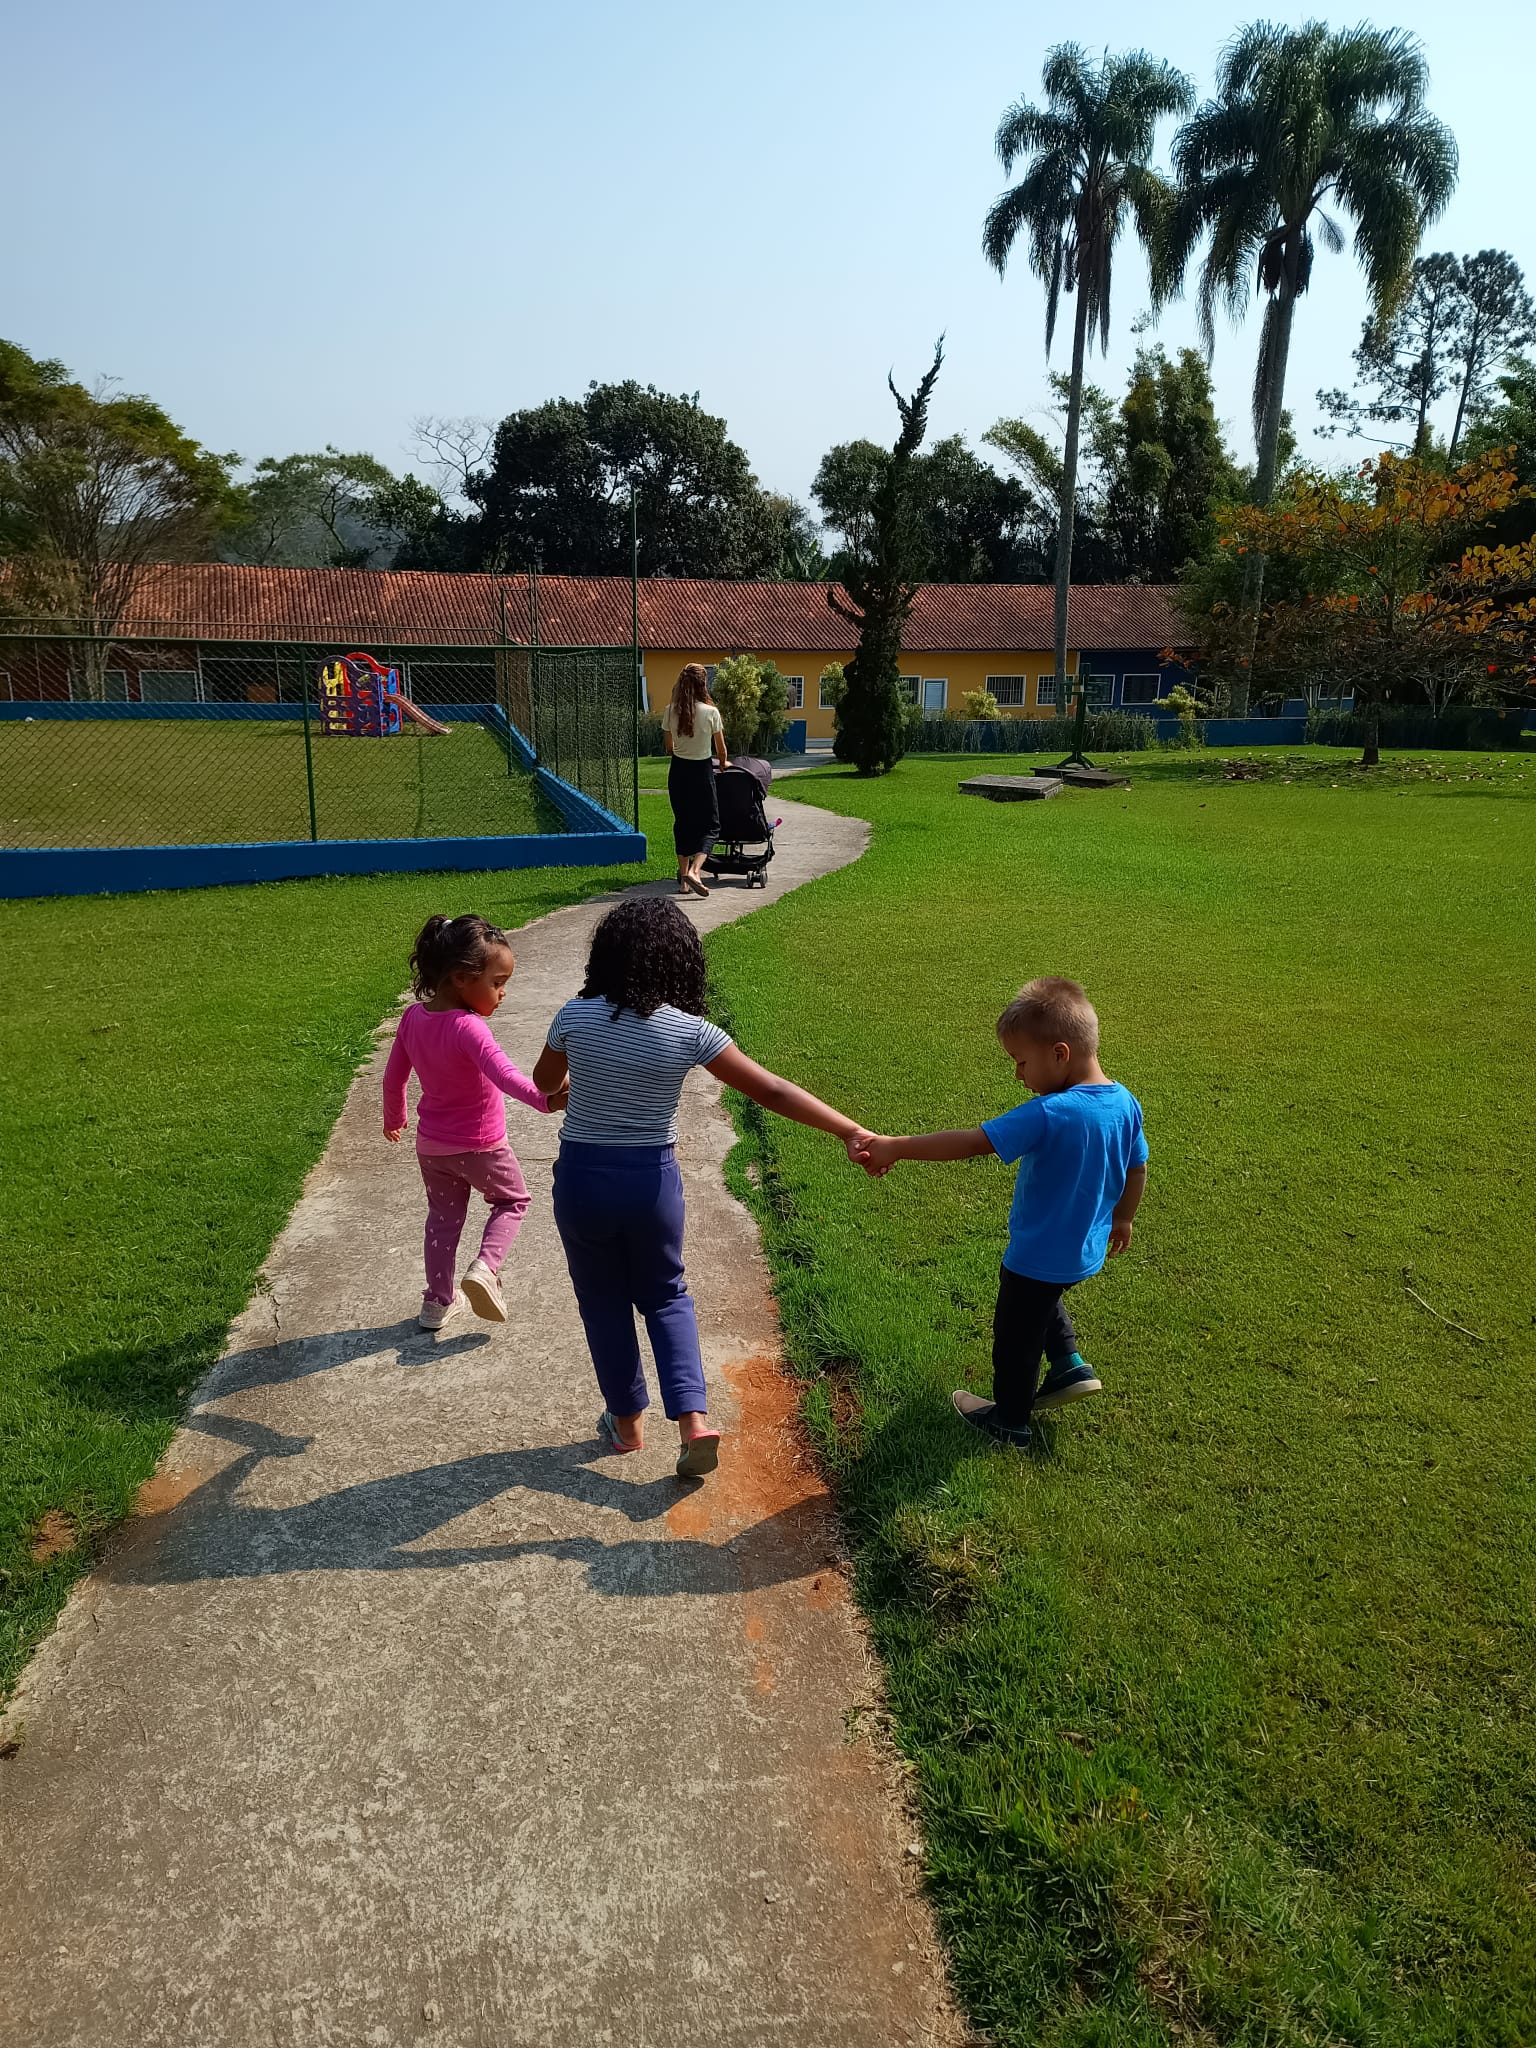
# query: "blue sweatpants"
{"type": "Point", "coordinates": [619, 1212]}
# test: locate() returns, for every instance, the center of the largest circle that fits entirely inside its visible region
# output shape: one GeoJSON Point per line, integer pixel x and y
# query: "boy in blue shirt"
{"type": "Point", "coordinates": [1082, 1163]}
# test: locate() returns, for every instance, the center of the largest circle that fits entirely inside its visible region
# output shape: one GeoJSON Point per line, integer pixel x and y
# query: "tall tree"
{"type": "Point", "coordinates": [95, 486]}
{"type": "Point", "coordinates": [1302, 117]}
{"type": "Point", "coordinates": [1406, 358]}
{"type": "Point", "coordinates": [557, 489]}
{"type": "Point", "coordinates": [1495, 321]}
{"type": "Point", "coordinates": [881, 582]}
{"type": "Point", "coordinates": [1086, 173]}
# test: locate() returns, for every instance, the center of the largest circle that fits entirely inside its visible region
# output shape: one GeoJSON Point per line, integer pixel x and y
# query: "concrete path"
{"type": "Point", "coordinates": [402, 1714]}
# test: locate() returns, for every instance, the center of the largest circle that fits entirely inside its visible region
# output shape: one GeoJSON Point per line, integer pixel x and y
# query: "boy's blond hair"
{"type": "Point", "coordinates": [1053, 1011]}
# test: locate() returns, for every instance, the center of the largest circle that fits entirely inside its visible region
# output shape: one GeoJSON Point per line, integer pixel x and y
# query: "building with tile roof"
{"type": "Point", "coordinates": [191, 631]}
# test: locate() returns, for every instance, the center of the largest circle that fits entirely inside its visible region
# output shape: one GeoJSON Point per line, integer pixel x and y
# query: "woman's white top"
{"type": "Point", "coordinates": [699, 744]}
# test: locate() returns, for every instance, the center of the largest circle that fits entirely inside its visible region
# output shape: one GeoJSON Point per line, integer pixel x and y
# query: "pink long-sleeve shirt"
{"type": "Point", "coordinates": [465, 1080]}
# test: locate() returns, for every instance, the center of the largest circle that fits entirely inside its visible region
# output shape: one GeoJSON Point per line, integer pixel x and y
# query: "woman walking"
{"type": "Point", "coordinates": [694, 731]}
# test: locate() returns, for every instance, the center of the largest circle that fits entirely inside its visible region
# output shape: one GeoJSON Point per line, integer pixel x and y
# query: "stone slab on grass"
{"type": "Point", "coordinates": [1012, 789]}
{"type": "Point", "coordinates": [1087, 778]}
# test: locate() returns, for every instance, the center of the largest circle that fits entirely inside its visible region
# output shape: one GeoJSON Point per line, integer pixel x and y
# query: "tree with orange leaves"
{"type": "Point", "coordinates": [1392, 595]}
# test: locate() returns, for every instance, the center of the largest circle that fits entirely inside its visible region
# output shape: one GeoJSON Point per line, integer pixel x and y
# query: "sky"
{"type": "Point", "coordinates": [311, 221]}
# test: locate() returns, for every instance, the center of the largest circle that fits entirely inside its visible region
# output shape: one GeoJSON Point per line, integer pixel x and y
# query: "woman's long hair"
{"type": "Point", "coordinates": [646, 953]}
{"type": "Point", "coordinates": [689, 692]}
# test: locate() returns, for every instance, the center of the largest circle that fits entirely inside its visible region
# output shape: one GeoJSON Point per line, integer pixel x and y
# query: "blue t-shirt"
{"type": "Point", "coordinates": [1074, 1150]}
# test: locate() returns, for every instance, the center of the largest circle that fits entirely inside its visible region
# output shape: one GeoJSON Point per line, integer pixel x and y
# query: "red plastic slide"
{"type": "Point", "coordinates": [421, 718]}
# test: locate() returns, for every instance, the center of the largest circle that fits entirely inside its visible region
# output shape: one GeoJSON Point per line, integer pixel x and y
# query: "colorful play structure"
{"type": "Point", "coordinates": [361, 698]}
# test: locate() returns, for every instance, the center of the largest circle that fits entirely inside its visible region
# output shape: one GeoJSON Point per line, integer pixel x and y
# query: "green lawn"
{"type": "Point", "coordinates": [1222, 1701]}
{"type": "Point", "coordinates": [175, 1063]}
{"type": "Point", "coordinates": [187, 781]}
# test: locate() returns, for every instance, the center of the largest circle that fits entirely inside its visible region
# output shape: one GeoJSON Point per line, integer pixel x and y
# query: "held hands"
{"type": "Point", "coordinates": [557, 1098]}
{"type": "Point", "coordinates": [864, 1148]}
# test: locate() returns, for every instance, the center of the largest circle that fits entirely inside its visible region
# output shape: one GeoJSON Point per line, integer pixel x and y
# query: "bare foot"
{"type": "Point", "coordinates": [693, 1424]}
{"type": "Point", "coordinates": [624, 1431]}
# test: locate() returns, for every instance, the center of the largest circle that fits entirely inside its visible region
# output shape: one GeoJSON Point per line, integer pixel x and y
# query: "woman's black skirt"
{"type": "Point", "coordinates": [695, 809]}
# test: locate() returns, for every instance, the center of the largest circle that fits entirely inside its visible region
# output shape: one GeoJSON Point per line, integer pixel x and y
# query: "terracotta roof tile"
{"type": "Point", "coordinates": [406, 607]}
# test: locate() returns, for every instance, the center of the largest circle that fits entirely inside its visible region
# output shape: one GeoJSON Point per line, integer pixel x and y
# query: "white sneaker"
{"type": "Point", "coordinates": [483, 1290]}
{"type": "Point", "coordinates": [435, 1313]}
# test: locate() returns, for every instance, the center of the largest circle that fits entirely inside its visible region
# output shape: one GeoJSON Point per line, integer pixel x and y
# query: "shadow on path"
{"type": "Point", "coordinates": [367, 1527]}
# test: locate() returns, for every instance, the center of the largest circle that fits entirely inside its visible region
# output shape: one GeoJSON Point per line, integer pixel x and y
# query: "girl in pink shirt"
{"type": "Point", "coordinates": [460, 968]}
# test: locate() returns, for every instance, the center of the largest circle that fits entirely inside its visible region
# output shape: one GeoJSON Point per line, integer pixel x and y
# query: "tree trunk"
{"type": "Point", "coordinates": [1461, 408]}
{"type": "Point", "coordinates": [1371, 755]}
{"type": "Point", "coordinates": [1263, 490]}
{"type": "Point", "coordinates": [1068, 506]}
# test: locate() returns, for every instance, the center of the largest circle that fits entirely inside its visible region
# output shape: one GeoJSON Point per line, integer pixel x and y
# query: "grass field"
{"type": "Point", "coordinates": [1223, 1700]}
{"type": "Point", "coordinates": [187, 782]}
{"type": "Point", "coordinates": [175, 1063]}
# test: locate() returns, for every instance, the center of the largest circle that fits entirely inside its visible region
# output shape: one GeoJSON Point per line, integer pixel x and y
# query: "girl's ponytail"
{"type": "Point", "coordinates": [446, 944]}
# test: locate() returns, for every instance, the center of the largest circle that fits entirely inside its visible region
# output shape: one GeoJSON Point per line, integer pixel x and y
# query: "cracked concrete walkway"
{"type": "Point", "coordinates": [402, 1714]}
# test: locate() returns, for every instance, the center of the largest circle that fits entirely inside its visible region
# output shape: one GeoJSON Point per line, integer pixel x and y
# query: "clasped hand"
{"type": "Point", "coordinates": [875, 1154]}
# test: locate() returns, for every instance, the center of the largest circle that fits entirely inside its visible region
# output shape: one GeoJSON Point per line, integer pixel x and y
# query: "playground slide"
{"type": "Point", "coordinates": [421, 718]}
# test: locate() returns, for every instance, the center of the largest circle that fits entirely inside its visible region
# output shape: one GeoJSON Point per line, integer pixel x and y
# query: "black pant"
{"type": "Point", "coordinates": [695, 807]}
{"type": "Point", "coordinates": [1029, 1319]}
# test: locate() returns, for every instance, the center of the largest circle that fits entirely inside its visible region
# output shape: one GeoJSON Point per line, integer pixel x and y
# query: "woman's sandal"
{"type": "Point", "coordinates": [699, 1456]}
{"type": "Point", "coordinates": [608, 1432]}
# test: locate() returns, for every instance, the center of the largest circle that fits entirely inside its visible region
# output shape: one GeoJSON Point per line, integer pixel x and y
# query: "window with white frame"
{"type": "Point", "coordinates": [1045, 689]}
{"type": "Point", "coordinates": [911, 687]}
{"type": "Point", "coordinates": [935, 694]}
{"type": "Point", "coordinates": [1007, 689]}
{"type": "Point", "coordinates": [1141, 689]}
{"type": "Point", "coordinates": [794, 692]}
{"type": "Point", "coordinates": [711, 670]}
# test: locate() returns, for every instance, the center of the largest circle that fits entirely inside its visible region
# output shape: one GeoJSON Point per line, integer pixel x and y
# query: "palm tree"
{"type": "Point", "coordinates": [1302, 116]}
{"type": "Point", "coordinates": [1086, 172]}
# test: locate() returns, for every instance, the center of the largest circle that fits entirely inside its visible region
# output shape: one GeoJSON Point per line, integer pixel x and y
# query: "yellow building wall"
{"type": "Point", "coordinates": [958, 672]}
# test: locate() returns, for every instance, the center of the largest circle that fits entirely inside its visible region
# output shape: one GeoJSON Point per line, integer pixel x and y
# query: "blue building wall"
{"type": "Point", "coordinates": [1120, 662]}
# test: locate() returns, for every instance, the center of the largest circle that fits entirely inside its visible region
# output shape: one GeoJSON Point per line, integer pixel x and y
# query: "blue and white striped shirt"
{"type": "Point", "coordinates": [627, 1073]}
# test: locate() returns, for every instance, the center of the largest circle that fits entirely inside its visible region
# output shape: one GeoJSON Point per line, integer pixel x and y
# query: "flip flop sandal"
{"type": "Point", "coordinates": [608, 1431]}
{"type": "Point", "coordinates": [699, 1456]}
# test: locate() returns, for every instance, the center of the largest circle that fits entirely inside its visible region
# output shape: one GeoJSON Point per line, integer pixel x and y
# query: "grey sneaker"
{"type": "Point", "coordinates": [1070, 1379]}
{"type": "Point", "coordinates": [435, 1313]}
{"type": "Point", "coordinates": [483, 1291]}
{"type": "Point", "coordinates": [978, 1413]}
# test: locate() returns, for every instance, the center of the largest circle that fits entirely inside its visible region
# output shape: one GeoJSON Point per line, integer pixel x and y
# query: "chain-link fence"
{"type": "Point", "coordinates": [153, 742]}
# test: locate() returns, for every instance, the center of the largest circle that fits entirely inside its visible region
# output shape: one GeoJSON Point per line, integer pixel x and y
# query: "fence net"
{"type": "Point", "coordinates": [145, 743]}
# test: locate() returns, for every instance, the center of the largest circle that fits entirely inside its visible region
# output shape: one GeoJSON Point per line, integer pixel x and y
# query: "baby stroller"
{"type": "Point", "coordinates": [745, 842]}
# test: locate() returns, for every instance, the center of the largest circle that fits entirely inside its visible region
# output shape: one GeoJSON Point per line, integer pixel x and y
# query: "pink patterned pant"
{"type": "Point", "coordinates": [450, 1178]}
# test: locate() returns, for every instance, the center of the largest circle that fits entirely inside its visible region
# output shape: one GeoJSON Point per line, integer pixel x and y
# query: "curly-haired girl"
{"type": "Point", "coordinates": [625, 1046]}
{"type": "Point", "coordinates": [460, 968]}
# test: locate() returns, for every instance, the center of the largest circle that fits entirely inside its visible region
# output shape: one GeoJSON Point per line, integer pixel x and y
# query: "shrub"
{"type": "Point", "coordinates": [738, 691]}
{"type": "Point", "coordinates": [652, 739]}
{"type": "Point", "coordinates": [772, 713]}
{"type": "Point", "coordinates": [1111, 732]}
{"type": "Point", "coordinates": [979, 704]}
{"type": "Point", "coordinates": [1186, 708]}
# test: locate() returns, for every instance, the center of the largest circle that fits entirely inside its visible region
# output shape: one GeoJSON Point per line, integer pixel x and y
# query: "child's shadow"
{"type": "Point", "coordinates": [367, 1527]}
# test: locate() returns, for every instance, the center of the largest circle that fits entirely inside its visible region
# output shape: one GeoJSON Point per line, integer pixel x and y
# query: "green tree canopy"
{"type": "Point", "coordinates": [330, 510]}
{"type": "Point", "coordinates": [558, 482]}
{"type": "Point", "coordinates": [1156, 467]}
{"type": "Point", "coordinates": [972, 525]}
{"type": "Point", "coordinates": [95, 486]}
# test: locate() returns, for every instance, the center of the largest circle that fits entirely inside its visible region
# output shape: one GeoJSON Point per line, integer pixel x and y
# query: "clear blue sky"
{"type": "Point", "coordinates": [310, 220]}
